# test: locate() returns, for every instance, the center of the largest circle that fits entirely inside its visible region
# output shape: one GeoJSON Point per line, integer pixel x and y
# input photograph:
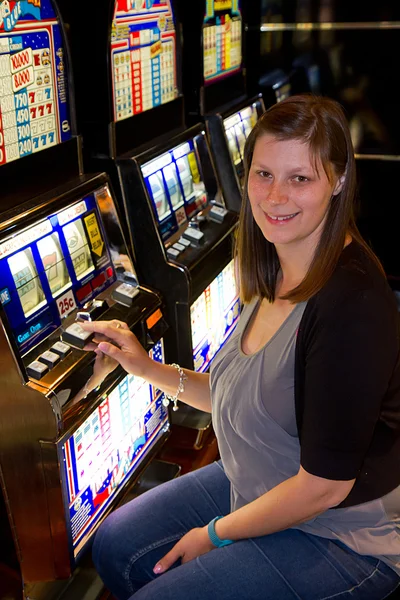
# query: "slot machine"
{"type": "Point", "coordinates": [75, 431]}
{"type": "Point", "coordinates": [228, 132]}
{"type": "Point", "coordinates": [215, 84]}
{"type": "Point", "coordinates": [275, 86]}
{"type": "Point", "coordinates": [176, 217]}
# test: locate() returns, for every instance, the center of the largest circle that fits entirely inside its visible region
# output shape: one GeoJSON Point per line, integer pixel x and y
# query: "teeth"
{"type": "Point", "coordinates": [282, 218]}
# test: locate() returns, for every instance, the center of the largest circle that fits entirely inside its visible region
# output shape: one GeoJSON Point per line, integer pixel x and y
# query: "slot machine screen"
{"type": "Point", "coordinates": [214, 316]}
{"type": "Point", "coordinates": [108, 448]}
{"type": "Point", "coordinates": [237, 129]}
{"type": "Point", "coordinates": [54, 266]}
{"type": "Point", "coordinates": [143, 56]}
{"type": "Point", "coordinates": [282, 91]}
{"type": "Point", "coordinates": [34, 110]}
{"type": "Point", "coordinates": [222, 39]}
{"type": "Point", "coordinates": [176, 187]}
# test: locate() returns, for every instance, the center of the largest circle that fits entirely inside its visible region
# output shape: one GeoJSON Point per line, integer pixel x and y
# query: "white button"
{"type": "Point", "coordinates": [49, 358]}
{"type": "Point", "coordinates": [76, 331]}
{"type": "Point", "coordinates": [193, 233]}
{"type": "Point", "coordinates": [127, 290]}
{"type": "Point", "coordinates": [61, 349]}
{"type": "Point", "coordinates": [37, 369]}
{"type": "Point", "coordinates": [173, 253]}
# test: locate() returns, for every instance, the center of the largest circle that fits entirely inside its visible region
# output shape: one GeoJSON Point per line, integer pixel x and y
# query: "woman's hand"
{"type": "Point", "coordinates": [115, 340]}
{"type": "Point", "coordinates": [195, 543]}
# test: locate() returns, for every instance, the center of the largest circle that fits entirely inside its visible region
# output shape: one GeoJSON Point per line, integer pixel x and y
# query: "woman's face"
{"type": "Point", "coordinates": [288, 197]}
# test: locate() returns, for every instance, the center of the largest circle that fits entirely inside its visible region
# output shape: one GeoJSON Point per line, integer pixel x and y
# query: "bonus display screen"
{"type": "Point", "coordinates": [222, 39]}
{"type": "Point", "coordinates": [107, 448]}
{"type": "Point", "coordinates": [53, 267]}
{"type": "Point", "coordinates": [34, 111]}
{"type": "Point", "coordinates": [237, 129]}
{"type": "Point", "coordinates": [214, 316]}
{"type": "Point", "coordinates": [143, 56]}
{"type": "Point", "coordinates": [176, 188]}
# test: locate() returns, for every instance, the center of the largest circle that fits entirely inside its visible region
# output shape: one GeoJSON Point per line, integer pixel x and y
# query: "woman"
{"type": "Point", "coordinates": [305, 400]}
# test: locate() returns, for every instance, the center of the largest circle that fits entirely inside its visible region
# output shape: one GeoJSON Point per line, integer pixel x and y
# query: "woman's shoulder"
{"type": "Point", "coordinates": [356, 282]}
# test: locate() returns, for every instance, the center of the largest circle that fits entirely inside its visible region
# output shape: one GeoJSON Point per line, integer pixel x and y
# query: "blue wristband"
{"type": "Point", "coordinates": [215, 540]}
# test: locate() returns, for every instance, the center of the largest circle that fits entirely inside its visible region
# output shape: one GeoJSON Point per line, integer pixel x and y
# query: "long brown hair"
{"type": "Point", "coordinates": [321, 123]}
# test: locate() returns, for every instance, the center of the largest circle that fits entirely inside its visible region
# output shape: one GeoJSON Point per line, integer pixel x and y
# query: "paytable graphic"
{"type": "Point", "coordinates": [34, 110]}
{"type": "Point", "coordinates": [143, 56]}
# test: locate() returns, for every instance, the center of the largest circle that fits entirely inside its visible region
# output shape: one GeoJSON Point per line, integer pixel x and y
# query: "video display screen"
{"type": "Point", "coordinates": [175, 186]}
{"type": "Point", "coordinates": [222, 39]}
{"type": "Point", "coordinates": [282, 91]}
{"type": "Point", "coordinates": [53, 267]}
{"type": "Point", "coordinates": [143, 56]}
{"type": "Point", "coordinates": [108, 448]}
{"type": "Point", "coordinates": [214, 316]}
{"type": "Point", "coordinates": [237, 129]}
{"type": "Point", "coordinates": [34, 109]}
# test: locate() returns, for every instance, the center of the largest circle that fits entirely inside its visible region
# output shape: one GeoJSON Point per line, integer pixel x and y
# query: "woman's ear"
{"type": "Point", "coordinates": [339, 185]}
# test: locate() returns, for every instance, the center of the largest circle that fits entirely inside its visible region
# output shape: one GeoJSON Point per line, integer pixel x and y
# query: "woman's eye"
{"type": "Point", "coordinates": [301, 178]}
{"type": "Point", "coordinates": [264, 174]}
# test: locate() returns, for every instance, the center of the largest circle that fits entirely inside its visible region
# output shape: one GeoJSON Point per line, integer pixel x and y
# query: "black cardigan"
{"type": "Point", "coordinates": [347, 380]}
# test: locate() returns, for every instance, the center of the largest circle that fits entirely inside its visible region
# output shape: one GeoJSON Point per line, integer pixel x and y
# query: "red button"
{"type": "Point", "coordinates": [83, 292]}
{"type": "Point", "coordinates": [109, 272]}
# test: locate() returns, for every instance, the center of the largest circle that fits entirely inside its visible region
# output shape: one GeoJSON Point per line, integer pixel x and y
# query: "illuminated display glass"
{"type": "Point", "coordinates": [34, 110]}
{"type": "Point", "coordinates": [214, 316]}
{"type": "Point", "coordinates": [53, 267]}
{"type": "Point", "coordinates": [143, 56]}
{"type": "Point", "coordinates": [176, 188]}
{"type": "Point", "coordinates": [222, 39]}
{"type": "Point", "coordinates": [282, 92]}
{"type": "Point", "coordinates": [237, 129]}
{"type": "Point", "coordinates": [108, 447]}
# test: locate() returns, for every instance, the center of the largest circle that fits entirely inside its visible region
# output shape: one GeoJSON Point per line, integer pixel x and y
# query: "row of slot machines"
{"type": "Point", "coordinates": [111, 208]}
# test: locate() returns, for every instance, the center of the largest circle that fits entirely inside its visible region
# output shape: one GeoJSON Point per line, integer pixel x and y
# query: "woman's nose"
{"type": "Point", "coordinates": [277, 194]}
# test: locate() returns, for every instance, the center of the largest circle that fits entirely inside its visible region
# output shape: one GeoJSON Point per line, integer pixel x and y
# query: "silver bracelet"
{"type": "Point", "coordinates": [181, 388]}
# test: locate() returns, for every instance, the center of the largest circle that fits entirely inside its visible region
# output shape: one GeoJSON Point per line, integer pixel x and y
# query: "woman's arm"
{"type": "Point", "coordinates": [120, 344]}
{"type": "Point", "coordinates": [294, 501]}
{"type": "Point", "coordinates": [290, 503]}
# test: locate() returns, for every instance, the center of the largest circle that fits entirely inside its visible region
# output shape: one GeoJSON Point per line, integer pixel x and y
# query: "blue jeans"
{"type": "Point", "coordinates": [283, 566]}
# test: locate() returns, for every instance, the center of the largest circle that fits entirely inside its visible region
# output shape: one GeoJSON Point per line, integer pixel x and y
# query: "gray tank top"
{"type": "Point", "coordinates": [254, 419]}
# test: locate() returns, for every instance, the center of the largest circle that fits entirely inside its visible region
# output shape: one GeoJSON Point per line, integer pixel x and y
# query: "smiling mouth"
{"type": "Point", "coordinates": [283, 218]}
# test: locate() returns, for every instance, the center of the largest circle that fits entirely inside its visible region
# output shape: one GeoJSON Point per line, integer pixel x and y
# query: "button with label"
{"type": "Point", "coordinates": [184, 242]}
{"type": "Point", "coordinates": [195, 236]}
{"type": "Point", "coordinates": [217, 213]}
{"type": "Point", "coordinates": [37, 369]}
{"type": "Point", "coordinates": [172, 252]}
{"type": "Point", "coordinates": [61, 349]}
{"type": "Point", "coordinates": [49, 358]}
{"type": "Point", "coordinates": [179, 247]}
{"type": "Point", "coordinates": [75, 335]}
{"type": "Point", "coordinates": [125, 293]}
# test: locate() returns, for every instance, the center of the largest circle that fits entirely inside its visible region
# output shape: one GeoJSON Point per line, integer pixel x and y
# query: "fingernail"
{"type": "Point", "coordinates": [157, 569]}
